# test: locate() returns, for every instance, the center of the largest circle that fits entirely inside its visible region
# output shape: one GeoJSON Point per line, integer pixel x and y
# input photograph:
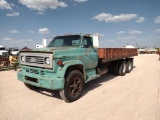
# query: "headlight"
{"type": "Point", "coordinates": [47, 60]}
{"type": "Point", "coordinates": [23, 58]}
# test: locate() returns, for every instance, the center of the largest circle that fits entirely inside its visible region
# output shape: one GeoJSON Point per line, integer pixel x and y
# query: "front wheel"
{"type": "Point", "coordinates": [73, 87]}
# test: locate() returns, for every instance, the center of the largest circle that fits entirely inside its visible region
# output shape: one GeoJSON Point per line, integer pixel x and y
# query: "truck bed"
{"type": "Point", "coordinates": [110, 54]}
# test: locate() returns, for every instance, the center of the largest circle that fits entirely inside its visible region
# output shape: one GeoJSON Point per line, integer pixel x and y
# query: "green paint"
{"type": "Point", "coordinates": [76, 52]}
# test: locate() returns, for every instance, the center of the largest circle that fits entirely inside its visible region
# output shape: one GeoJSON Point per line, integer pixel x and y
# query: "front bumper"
{"type": "Point", "coordinates": [49, 81]}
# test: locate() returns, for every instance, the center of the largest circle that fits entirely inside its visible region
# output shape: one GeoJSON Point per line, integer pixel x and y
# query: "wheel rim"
{"type": "Point", "coordinates": [124, 68]}
{"type": "Point", "coordinates": [129, 66]}
{"type": "Point", "coordinates": [75, 86]}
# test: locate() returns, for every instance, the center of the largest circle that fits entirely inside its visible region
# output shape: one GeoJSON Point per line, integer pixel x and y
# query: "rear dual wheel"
{"type": "Point", "coordinates": [119, 67]}
{"type": "Point", "coordinates": [122, 68]}
{"type": "Point", "coordinates": [129, 66]}
{"type": "Point", "coordinates": [116, 68]}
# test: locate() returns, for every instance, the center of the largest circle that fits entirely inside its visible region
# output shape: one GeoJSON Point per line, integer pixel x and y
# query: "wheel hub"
{"type": "Point", "coordinates": [75, 87]}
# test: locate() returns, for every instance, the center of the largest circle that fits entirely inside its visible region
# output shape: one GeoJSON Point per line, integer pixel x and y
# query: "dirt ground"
{"type": "Point", "coordinates": [135, 96]}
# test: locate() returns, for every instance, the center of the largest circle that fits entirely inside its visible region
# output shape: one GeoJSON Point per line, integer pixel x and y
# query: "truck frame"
{"type": "Point", "coordinates": [70, 61]}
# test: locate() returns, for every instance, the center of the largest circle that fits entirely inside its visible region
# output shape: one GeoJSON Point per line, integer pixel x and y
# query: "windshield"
{"type": "Point", "coordinates": [2, 48]}
{"type": "Point", "coordinates": [13, 49]}
{"type": "Point", "coordinates": [65, 41]}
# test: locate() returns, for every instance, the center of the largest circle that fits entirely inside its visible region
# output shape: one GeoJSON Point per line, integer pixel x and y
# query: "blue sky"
{"type": "Point", "coordinates": [118, 22]}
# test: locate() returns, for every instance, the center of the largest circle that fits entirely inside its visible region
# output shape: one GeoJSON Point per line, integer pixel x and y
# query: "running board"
{"type": "Point", "coordinates": [92, 77]}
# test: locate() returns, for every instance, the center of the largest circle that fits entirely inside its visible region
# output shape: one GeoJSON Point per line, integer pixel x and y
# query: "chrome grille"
{"type": "Point", "coordinates": [36, 59]}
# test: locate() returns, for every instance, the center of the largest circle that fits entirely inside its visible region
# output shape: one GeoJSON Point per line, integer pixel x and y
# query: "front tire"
{"type": "Point", "coordinates": [73, 87]}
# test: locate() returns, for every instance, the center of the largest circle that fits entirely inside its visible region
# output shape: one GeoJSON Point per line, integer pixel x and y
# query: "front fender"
{"type": "Point", "coordinates": [61, 71]}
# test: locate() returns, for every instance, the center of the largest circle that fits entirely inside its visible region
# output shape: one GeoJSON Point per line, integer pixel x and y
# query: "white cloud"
{"type": "Point", "coordinates": [42, 5]}
{"type": "Point", "coordinates": [30, 31]}
{"type": "Point", "coordinates": [5, 5]}
{"type": "Point", "coordinates": [14, 31]}
{"type": "Point", "coordinates": [140, 19]}
{"type": "Point", "coordinates": [121, 32]}
{"type": "Point", "coordinates": [158, 31]}
{"type": "Point", "coordinates": [43, 30]}
{"type": "Point", "coordinates": [29, 40]}
{"type": "Point", "coordinates": [7, 39]}
{"type": "Point", "coordinates": [62, 4]}
{"type": "Point", "coordinates": [127, 38]}
{"type": "Point", "coordinates": [114, 18]}
{"type": "Point", "coordinates": [40, 13]}
{"type": "Point", "coordinates": [111, 40]}
{"type": "Point", "coordinates": [20, 43]}
{"type": "Point", "coordinates": [25, 40]}
{"type": "Point", "coordinates": [135, 32]}
{"type": "Point", "coordinates": [13, 5]}
{"type": "Point", "coordinates": [99, 34]}
{"type": "Point", "coordinates": [80, 1]}
{"type": "Point", "coordinates": [157, 19]}
{"type": "Point", "coordinates": [13, 14]}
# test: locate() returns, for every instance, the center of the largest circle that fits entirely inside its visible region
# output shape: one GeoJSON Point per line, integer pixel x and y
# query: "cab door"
{"type": "Point", "coordinates": [89, 53]}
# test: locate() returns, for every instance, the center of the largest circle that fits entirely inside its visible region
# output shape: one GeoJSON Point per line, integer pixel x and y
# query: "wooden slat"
{"type": "Point", "coordinates": [115, 53]}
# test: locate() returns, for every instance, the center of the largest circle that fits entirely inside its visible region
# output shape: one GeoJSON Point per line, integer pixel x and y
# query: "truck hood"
{"type": "Point", "coordinates": [49, 49]}
{"type": "Point", "coordinates": [58, 52]}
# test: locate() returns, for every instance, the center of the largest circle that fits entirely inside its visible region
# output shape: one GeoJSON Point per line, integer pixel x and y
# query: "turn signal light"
{"type": "Point", "coordinates": [60, 62]}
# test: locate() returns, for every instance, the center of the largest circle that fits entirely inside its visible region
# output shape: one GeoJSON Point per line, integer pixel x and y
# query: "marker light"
{"type": "Point", "coordinates": [60, 62]}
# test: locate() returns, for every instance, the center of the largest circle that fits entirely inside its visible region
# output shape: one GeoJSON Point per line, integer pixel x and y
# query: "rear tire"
{"type": "Point", "coordinates": [73, 87]}
{"type": "Point", "coordinates": [122, 68]}
{"type": "Point", "coordinates": [129, 66]}
{"type": "Point", "coordinates": [116, 67]}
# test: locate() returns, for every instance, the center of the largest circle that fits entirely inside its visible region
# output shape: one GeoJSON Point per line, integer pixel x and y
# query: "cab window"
{"type": "Point", "coordinates": [87, 42]}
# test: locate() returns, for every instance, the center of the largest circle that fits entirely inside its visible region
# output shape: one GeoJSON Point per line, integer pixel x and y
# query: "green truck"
{"type": "Point", "coordinates": [70, 61]}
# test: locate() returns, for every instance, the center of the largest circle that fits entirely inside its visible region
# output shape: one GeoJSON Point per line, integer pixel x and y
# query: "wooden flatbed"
{"type": "Point", "coordinates": [110, 54]}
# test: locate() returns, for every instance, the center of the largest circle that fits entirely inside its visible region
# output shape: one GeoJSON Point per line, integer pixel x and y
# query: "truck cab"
{"type": "Point", "coordinates": [75, 47]}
